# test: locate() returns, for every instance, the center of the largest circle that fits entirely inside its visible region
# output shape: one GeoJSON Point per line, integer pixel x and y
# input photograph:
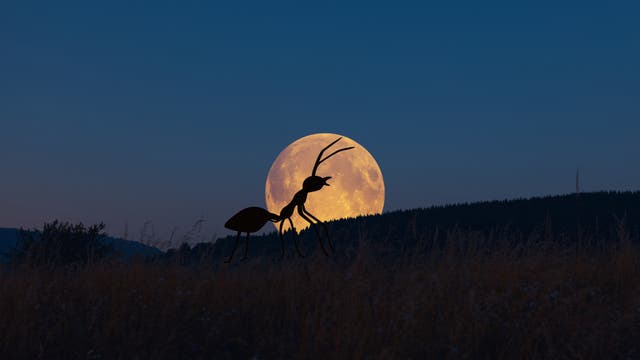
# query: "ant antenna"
{"type": "Point", "coordinates": [319, 160]}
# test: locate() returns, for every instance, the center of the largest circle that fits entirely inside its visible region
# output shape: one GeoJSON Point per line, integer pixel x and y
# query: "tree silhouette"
{"type": "Point", "coordinates": [61, 243]}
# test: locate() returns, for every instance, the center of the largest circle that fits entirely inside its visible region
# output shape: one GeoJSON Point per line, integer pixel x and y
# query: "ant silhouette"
{"type": "Point", "coordinates": [253, 218]}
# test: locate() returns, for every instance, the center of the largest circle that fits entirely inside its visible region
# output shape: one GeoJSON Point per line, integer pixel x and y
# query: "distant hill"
{"type": "Point", "coordinates": [587, 217]}
{"type": "Point", "coordinates": [125, 248]}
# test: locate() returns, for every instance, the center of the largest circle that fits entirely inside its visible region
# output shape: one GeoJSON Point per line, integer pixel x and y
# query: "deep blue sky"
{"type": "Point", "coordinates": [135, 111]}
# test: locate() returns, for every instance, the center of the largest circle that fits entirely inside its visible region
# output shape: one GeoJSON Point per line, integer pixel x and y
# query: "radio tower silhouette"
{"type": "Point", "coordinates": [578, 182]}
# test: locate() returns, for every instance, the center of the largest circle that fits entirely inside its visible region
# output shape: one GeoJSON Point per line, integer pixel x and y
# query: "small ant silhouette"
{"type": "Point", "coordinates": [252, 219]}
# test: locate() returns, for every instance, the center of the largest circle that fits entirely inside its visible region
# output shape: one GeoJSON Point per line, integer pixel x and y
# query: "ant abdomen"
{"type": "Point", "coordinates": [250, 219]}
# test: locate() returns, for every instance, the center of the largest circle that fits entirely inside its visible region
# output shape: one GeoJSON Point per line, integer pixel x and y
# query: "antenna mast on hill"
{"type": "Point", "coordinates": [578, 182]}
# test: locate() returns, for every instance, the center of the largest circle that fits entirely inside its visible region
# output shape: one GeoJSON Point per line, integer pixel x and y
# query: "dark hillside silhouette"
{"type": "Point", "coordinates": [562, 220]}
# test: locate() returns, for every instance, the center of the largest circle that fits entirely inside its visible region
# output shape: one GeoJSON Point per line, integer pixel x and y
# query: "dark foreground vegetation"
{"type": "Point", "coordinates": [528, 279]}
{"type": "Point", "coordinates": [538, 301]}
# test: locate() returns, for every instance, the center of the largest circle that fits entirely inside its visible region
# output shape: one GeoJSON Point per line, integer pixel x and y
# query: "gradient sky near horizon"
{"type": "Point", "coordinates": [130, 111]}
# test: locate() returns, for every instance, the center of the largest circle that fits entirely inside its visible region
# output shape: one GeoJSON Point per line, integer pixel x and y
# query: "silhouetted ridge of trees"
{"type": "Point", "coordinates": [586, 219]}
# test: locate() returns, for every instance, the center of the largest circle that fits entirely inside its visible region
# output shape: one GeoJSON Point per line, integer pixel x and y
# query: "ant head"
{"type": "Point", "coordinates": [315, 183]}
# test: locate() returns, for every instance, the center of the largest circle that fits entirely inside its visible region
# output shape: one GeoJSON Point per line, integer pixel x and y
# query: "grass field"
{"type": "Point", "coordinates": [541, 303]}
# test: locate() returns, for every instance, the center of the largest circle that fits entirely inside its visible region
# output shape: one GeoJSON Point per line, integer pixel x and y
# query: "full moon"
{"type": "Point", "coordinates": [356, 184]}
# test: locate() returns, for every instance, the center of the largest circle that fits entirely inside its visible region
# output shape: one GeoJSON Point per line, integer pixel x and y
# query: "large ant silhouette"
{"type": "Point", "coordinates": [252, 219]}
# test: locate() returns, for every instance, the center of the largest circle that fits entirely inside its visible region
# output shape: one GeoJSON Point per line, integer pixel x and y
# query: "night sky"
{"type": "Point", "coordinates": [127, 111]}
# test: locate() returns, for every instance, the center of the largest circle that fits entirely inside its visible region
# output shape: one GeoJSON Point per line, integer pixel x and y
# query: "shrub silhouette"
{"type": "Point", "coordinates": [61, 243]}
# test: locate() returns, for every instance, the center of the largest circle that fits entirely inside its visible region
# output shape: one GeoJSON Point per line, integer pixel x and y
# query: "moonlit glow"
{"type": "Point", "coordinates": [357, 186]}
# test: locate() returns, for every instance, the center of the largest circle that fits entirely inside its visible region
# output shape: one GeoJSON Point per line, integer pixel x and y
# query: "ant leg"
{"type": "Point", "coordinates": [295, 238]}
{"type": "Point", "coordinates": [281, 240]}
{"type": "Point", "coordinates": [246, 248]}
{"type": "Point", "coordinates": [234, 248]}
{"type": "Point", "coordinates": [324, 226]}
{"type": "Point", "coordinates": [313, 225]}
